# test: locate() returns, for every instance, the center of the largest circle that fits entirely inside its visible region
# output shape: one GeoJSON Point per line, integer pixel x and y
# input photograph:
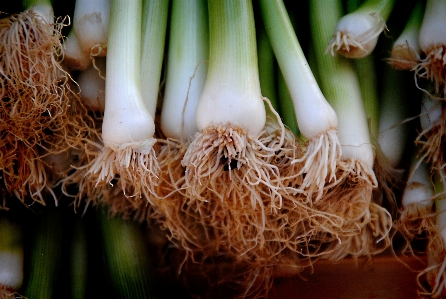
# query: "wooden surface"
{"type": "Point", "coordinates": [384, 277]}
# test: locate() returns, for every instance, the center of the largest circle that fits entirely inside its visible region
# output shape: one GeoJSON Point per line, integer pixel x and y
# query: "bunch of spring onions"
{"type": "Point", "coordinates": [419, 48]}
{"type": "Point", "coordinates": [254, 149]}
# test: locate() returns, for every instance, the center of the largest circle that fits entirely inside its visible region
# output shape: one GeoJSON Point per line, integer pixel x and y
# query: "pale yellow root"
{"type": "Point", "coordinates": [373, 238]}
{"type": "Point", "coordinates": [389, 181]}
{"type": "Point", "coordinates": [77, 185]}
{"type": "Point", "coordinates": [32, 81]}
{"type": "Point", "coordinates": [414, 220]}
{"type": "Point", "coordinates": [432, 142]}
{"type": "Point", "coordinates": [252, 223]}
{"type": "Point", "coordinates": [319, 164]}
{"type": "Point", "coordinates": [137, 171]}
{"type": "Point", "coordinates": [234, 214]}
{"type": "Point", "coordinates": [23, 173]}
{"type": "Point", "coordinates": [168, 190]}
{"type": "Point", "coordinates": [38, 104]}
{"type": "Point", "coordinates": [432, 68]}
{"type": "Point", "coordinates": [350, 200]}
{"type": "Point", "coordinates": [403, 57]}
{"type": "Point", "coordinates": [220, 150]}
{"type": "Point", "coordinates": [364, 227]}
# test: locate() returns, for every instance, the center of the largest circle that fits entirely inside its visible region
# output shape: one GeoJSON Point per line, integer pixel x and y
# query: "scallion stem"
{"type": "Point", "coordinates": [128, 127]}
{"type": "Point", "coordinates": [154, 25]}
{"type": "Point", "coordinates": [46, 253]}
{"type": "Point", "coordinates": [126, 257]}
{"type": "Point", "coordinates": [186, 68]}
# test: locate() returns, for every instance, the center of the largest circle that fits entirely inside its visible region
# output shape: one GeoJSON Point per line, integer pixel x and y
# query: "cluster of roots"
{"type": "Point", "coordinates": [41, 112]}
{"type": "Point", "coordinates": [236, 202]}
{"type": "Point", "coordinates": [432, 145]}
{"type": "Point", "coordinates": [403, 57]}
{"type": "Point", "coordinates": [432, 68]}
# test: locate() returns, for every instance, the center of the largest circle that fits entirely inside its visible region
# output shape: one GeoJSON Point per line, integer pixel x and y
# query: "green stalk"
{"type": "Point", "coordinates": [126, 257]}
{"type": "Point", "coordinates": [267, 66]}
{"type": "Point", "coordinates": [382, 7]}
{"type": "Point", "coordinates": [27, 4]}
{"type": "Point", "coordinates": [46, 252]}
{"type": "Point", "coordinates": [366, 70]}
{"type": "Point", "coordinates": [79, 258]}
{"type": "Point", "coordinates": [154, 26]}
{"type": "Point", "coordinates": [286, 105]}
{"type": "Point", "coordinates": [187, 65]}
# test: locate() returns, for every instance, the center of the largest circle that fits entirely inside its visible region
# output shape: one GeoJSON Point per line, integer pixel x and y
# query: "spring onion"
{"type": "Point", "coordinates": [186, 74]}
{"type": "Point", "coordinates": [91, 82]}
{"type": "Point", "coordinates": [316, 119]}
{"type": "Point", "coordinates": [127, 126]}
{"type": "Point", "coordinates": [432, 39]}
{"type": "Point", "coordinates": [368, 224]}
{"type": "Point", "coordinates": [230, 114]}
{"type": "Point", "coordinates": [356, 33]}
{"type": "Point", "coordinates": [406, 50]}
{"type": "Point", "coordinates": [417, 215]}
{"type": "Point", "coordinates": [345, 98]}
{"type": "Point", "coordinates": [90, 24]}
{"type": "Point", "coordinates": [229, 181]}
{"type": "Point", "coordinates": [75, 58]}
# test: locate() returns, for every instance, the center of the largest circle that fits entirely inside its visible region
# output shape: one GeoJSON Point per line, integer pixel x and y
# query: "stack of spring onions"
{"type": "Point", "coordinates": [257, 137]}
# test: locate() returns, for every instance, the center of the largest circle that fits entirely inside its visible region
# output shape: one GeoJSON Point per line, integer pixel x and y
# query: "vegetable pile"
{"type": "Point", "coordinates": [252, 138]}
